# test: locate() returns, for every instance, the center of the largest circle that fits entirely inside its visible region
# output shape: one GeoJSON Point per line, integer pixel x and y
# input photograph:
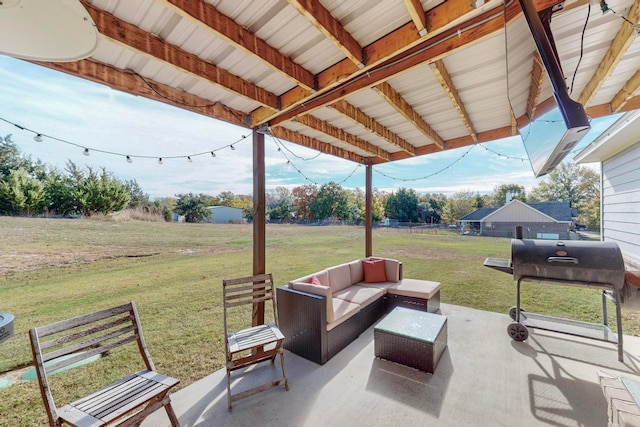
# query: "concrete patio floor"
{"type": "Point", "coordinates": [483, 379]}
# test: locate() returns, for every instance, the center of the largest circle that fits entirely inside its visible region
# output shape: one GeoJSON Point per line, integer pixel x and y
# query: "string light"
{"type": "Point", "coordinates": [431, 175]}
{"type": "Point", "coordinates": [280, 145]}
{"type": "Point", "coordinates": [39, 137]}
{"type": "Point", "coordinates": [189, 159]}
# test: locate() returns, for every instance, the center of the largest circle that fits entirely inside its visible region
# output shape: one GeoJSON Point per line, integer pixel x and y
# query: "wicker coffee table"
{"type": "Point", "coordinates": [412, 338]}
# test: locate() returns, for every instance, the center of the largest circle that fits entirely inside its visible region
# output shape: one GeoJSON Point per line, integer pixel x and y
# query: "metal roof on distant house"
{"type": "Point", "coordinates": [559, 211]}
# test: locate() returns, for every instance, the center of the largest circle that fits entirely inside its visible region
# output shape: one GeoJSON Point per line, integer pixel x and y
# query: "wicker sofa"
{"type": "Point", "coordinates": [321, 313]}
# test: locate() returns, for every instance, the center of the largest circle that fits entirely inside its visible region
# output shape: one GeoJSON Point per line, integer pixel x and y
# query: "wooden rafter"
{"type": "Point", "coordinates": [620, 44]}
{"type": "Point", "coordinates": [434, 48]}
{"type": "Point", "coordinates": [626, 93]}
{"type": "Point", "coordinates": [339, 134]}
{"type": "Point", "coordinates": [307, 141]}
{"type": "Point", "coordinates": [394, 99]}
{"type": "Point", "coordinates": [136, 38]}
{"type": "Point", "coordinates": [322, 19]}
{"type": "Point", "coordinates": [359, 117]}
{"type": "Point", "coordinates": [417, 16]}
{"type": "Point", "coordinates": [441, 73]}
{"type": "Point", "coordinates": [132, 83]}
{"type": "Point", "coordinates": [535, 87]}
{"type": "Point", "coordinates": [444, 19]}
{"type": "Point", "coordinates": [238, 36]}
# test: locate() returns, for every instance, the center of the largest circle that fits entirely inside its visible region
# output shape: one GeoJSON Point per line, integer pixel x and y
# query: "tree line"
{"type": "Point", "coordinates": [32, 188]}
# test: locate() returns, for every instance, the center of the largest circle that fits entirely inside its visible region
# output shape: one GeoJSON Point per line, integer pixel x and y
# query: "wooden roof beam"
{"type": "Point", "coordinates": [396, 100]}
{"type": "Point", "coordinates": [339, 134]}
{"type": "Point", "coordinates": [626, 93]}
{"type": "Point", "coordinates": [315, 144]}
{"type": "Point", "coordinates": [445, 18]}
{"type": "Point", "coordinates": [535, 87]}
{"type": "Point", "coordinates": [367, 122]}
{"type": "Point", "coordinates": [617, 49]}
{"type": "Point", "coordinates": [441, 73]}
{"type": "Point", "coordinates": [419, 18]}
{"type": "Point", "coordinates": [243, 39]}
{"type": "Point", "coordinates": [129, 82]}
{"type": "Point", "coordinates": [322, 19]}
{"type": "Point", "coordinates": [125, 33]}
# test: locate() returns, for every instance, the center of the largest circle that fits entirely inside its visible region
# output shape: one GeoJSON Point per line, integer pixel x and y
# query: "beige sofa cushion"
{"type": "Point", "coordinates": [361, 295]}
{"type": "Point", "coordinates": [357, 271]}
{"type": "Point", "coordinates": [324, 291]}
{"type": "Point", "coordinates": [339, 277]}
{"type": "Point", "coordinates": [342, 310]}
{"type": "Point", "coordinates": [415, 288]}
{"type": "Point", "coordinates": [392, 268]}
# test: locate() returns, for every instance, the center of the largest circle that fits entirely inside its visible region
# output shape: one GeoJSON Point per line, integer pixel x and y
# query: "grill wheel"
{"type": "Point", "coordinates": [517, 331]}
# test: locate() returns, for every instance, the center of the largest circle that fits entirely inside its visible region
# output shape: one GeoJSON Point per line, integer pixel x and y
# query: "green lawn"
{"type": "Point", "coordinates": [54, 269]}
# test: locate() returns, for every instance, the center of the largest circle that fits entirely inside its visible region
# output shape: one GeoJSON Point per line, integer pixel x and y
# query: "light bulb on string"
{"type": "Point", "coordinates": [86, 152]}
{"type": "Point", "coordinates": [129, 160]}
{"type": "Point", "coordinates": [232, 147]}
{"type": "Point", "coordinates": [213, 154]}
{"type": "Point", "coordinates": [38, 138]}
{"type": "Point", "coordinates": [189, 159]}
{"type": "Point", "coordinates": [159, 160]}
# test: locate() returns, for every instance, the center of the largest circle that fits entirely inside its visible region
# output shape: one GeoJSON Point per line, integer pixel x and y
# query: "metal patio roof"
{"type": "Point", "coordinates": [371, 81]}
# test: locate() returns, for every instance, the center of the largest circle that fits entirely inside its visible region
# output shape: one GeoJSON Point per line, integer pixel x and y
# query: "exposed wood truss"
{"type": "Point", "coordinates": [417, 16]}
{"type": "Point", "coordinates": [355, 114]}
{"type": "Point", "coordinates": [617, 49]}
{"type": "Point", "coordinates": [283, 89]}
{"type": "Point", "coordinates": [394, 99]}
{"type": "Point", "coordinates": [327, 128]}
{"type": "Point", "coordinates": [441, 73]}
{"type": "Point", "coordinates": [625, 95]}
{"type": "Point", "coordinates": [322, 19]}
{"type": "Point", "coordinates": [144, 42]}
{"type": "Point", "coordinates": [227, 29]}
{"type": "Point", "coordinates": [537, 78]}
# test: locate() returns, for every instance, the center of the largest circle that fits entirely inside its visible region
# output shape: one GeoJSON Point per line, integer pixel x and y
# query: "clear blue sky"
{"type": "Point", "coordinates": [69, 110]}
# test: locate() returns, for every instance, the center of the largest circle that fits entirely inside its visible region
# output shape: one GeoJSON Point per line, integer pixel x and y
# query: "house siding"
{"type": "Point", "coordinates": [621, 202]}
{"type": "Point", "coordinates": [530, 230]}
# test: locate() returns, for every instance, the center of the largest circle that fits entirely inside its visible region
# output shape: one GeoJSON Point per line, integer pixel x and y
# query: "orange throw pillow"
{"type": "Point", "coordinates": [374, 271]}
{"type": "Point", "coordinates": [315, 280]}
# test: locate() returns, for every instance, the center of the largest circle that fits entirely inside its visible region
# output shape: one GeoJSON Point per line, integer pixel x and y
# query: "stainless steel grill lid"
{"type": "Point", "coordinates": [574, 260]}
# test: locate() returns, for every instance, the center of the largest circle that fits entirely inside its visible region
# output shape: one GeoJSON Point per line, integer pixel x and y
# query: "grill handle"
{"type": "Point", "coordinates": [563, 259]}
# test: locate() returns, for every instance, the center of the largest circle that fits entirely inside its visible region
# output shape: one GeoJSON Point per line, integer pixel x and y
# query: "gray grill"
{"type": "Point", "coordinates": [599, 263]}
{"type": "Point", "coordinates": [569, 263]}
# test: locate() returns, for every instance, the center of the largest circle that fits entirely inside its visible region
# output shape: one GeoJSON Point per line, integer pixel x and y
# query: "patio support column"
{"type": "Point", "coordinates": [368, 226]}
{"type": "Point", "coordinates": [259, 217]}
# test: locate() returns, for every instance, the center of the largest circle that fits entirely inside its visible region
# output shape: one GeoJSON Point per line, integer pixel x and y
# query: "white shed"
{"type": "Point", "coordinates": [617, 150]}
{"type": "Point", "coordinates": [225, 215]}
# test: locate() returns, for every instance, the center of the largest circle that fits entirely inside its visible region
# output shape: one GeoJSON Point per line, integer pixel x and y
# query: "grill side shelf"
{"type": "Point", "coordinates": [500, 264]}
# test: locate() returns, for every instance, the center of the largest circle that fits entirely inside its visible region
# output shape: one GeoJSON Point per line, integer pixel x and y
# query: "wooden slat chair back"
{"type": "Point", "coordinates": [256, 343]}
{"type": "Point", "coordinates": [124, 403]}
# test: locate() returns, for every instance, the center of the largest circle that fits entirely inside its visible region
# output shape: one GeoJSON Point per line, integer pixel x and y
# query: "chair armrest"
{"type": "Point", "coordinates": [303, 321]}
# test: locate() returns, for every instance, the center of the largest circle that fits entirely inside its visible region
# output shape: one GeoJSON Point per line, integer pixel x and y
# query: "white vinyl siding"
{"type": "Point", "coordinates": [621, 202]}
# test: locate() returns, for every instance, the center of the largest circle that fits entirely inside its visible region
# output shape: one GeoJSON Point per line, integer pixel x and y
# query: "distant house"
{"type": "Point", "coordinates": [225, 215]}
{"type": "Point", "coordinates": [617, 150]}
{"type": "Point", "coordinates": [545, 220]}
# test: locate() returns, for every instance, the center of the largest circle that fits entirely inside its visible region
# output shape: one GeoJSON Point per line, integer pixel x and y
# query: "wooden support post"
{"type": "Point", "coordinates": [259, 218]}
{"type": "Point", "coordinates": [368, 212]}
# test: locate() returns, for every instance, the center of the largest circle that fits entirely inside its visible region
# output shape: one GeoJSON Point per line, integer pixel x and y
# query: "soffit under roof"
{"type": "Point", "coordinates": [366, 80]}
